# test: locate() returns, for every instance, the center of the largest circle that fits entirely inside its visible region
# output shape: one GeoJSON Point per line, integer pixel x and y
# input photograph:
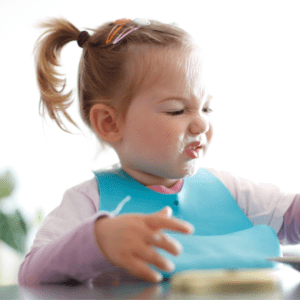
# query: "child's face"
{"type": "Point", "coordinates": [157, 131]}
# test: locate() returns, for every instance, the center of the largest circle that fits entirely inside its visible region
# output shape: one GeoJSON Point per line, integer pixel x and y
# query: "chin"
{"type": "Point", "coordinates": [172, 171]}
{"type": "Point", "coordinates": [189, 174]}
{"type": "Point", "coordinates": [182, 174]}
{"type": "Point", "coordinates": [191, 170]}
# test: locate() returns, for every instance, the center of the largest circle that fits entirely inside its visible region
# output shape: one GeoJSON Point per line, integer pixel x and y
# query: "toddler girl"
{"type": "Point", "coordinates": [141, 91]}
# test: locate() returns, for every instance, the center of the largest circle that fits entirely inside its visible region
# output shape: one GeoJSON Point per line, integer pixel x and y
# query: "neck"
{"type": "Point", "coordinates": [147, 179]}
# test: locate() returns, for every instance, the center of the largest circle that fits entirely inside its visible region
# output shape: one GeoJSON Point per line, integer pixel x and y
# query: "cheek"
{"type": "Point", "coordinates": [169, 130]}
{"type": "Point", "coordinates": [209, 133]}
{"type": "Point", "coordinates": [142, 132]}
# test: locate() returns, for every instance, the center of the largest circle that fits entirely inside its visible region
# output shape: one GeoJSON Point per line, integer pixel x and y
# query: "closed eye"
{"type": "Point", "coordinates": [208, 110]}
{"type": "Point", "coordinates": [180, 112]}
{"type": "Point", "coordinates": [175, 113]}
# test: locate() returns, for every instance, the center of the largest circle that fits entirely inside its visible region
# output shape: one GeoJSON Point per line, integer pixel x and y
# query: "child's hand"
{"type": "Point", "coordinates": [126, 241]}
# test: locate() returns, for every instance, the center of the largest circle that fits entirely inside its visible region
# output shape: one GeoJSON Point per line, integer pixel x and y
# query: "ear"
{"type": "Point", "coordinates": [104, 122]}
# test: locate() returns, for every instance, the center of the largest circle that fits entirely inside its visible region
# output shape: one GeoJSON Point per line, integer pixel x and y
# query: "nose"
{"type": "Point", "coordinates": [199, 124]}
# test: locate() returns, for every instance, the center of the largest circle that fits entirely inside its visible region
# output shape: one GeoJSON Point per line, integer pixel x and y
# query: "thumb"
{"type": "Point", "coordinates": [152, 219]}
{"type": "Point", "coordinates": [167, 211]}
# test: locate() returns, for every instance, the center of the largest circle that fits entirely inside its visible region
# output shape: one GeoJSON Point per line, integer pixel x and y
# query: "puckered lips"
{"type": "Point", "coordinates": [193, 150]}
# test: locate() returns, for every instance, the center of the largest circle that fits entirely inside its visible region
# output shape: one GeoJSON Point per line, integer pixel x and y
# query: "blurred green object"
{"type": "Point", "coordinates": [13, 228]}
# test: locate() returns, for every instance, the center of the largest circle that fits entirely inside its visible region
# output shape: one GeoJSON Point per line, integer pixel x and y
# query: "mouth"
{"type": "Point", "coordinates": [193, 149]}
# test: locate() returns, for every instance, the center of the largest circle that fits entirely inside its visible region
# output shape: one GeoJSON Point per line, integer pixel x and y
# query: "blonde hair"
{"type": "Point", "coordinates": [110, 74]}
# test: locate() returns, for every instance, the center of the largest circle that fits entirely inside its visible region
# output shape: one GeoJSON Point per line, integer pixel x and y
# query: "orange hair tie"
{"type": "Point", "coordinates": [119, 24]}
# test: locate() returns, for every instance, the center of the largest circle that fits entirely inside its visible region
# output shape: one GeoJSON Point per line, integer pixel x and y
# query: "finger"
{"type": "Point", "coordinates": [157, 238]}
{"type": "Point", "coordinates": [149, 255]}
{"type": "Point", "coordinates": [167, 211]}
{"type": "Point", "coordinates": [165, 242]}
{"type": "Point", "coordinates": [139, 268]}
{"type": "Point", "coordinates": [157, 222]}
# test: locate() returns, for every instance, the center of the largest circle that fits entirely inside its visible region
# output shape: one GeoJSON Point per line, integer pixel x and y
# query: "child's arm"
{"type": "Point", "coordinates": [264, 203]}
{"type": "Point", "coordinates": [65, 246]}
{"type": "Point", "coordinates": [289, 233]}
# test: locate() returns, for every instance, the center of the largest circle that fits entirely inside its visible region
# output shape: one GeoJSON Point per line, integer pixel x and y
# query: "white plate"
{"type": "Point", "coordinates": [218, 281]}
{"type": "Point", "coordinates": [294, 261]}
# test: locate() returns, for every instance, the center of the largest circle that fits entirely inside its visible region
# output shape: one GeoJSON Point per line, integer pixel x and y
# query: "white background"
{"type": "Point", "coordinates": [252, 61]}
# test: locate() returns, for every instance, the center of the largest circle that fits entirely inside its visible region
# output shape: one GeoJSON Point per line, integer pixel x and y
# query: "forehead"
{"type": "Point", "coordinates": [176, 71]}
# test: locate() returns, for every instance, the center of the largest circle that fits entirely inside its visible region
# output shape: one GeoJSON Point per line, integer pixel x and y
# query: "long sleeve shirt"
{"type": "Point", "coordinates": [65, 247]}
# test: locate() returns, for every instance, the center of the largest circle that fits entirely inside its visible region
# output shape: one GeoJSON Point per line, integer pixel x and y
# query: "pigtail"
{"type": "Point", "coordinates": [112, 74]}
{"type": "Point", "coordinates": [47, 53]}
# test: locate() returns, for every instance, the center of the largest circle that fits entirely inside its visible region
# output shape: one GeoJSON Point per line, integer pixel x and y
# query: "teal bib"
{"type": "Point", "coordinates": [224, 237]}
